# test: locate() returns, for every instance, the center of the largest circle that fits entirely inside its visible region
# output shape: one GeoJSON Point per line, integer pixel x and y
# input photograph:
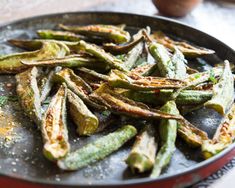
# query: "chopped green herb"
{"type": "Point", "coordinates": [121, 57]}
{"type": "Point", "coordinates": [106, 113]}
{"type": "Point", "coordinates": [197, 76]}
{"type": "Point", "coordinates": [212, 77]}
{"type": "Point", "coordinates": [5, 99]}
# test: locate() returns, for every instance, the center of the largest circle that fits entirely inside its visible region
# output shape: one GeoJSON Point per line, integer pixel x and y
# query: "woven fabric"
{"type": "Point", "coordinates": [211, 179]}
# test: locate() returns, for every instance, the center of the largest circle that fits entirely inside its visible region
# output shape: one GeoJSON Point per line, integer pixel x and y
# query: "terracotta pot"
{"type": "Point", "coordinates": [176, 8]}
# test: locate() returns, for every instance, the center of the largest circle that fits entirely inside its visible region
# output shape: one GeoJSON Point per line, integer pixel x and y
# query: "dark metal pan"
{"type": "Point", "coordinates": [21, 160]}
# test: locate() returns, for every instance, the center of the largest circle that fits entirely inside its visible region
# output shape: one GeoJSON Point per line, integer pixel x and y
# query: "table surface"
{"type": "Point", "coordinates": [213, 17]}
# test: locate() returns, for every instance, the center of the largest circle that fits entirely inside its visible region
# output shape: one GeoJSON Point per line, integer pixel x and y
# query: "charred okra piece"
{"type": "Point", "coordinates": [122, 105]}
{"type": "Point", "coordinates": [167, 132]}
{"type": "Point", "coordinates": [223, 137]}
{"type": "Point", "coordinates": [28, 92]}
{"type": "Point", "coordinates": [11, 64]}
{"type": "Point", "coordinates": [46, 84]}
{"type": "Point", "coordinates": [70, 62]}
{"type": "Point", "coordinates": [187, 49]}
{"type": "Point", "coordinates": [133, 55]}
{"type": "Point", "coordinates": [99, 53]}
{"type": "Point", "coordinates": [142, 155]}
{"type": "Point", "coordinates": [122, 49]}
{"type": "Point", "coordinates": [107, 32]}
{"type": "Point", "coordinates": [193, 136]}
{"type": "Point", "coordinates": [59, 35]}
{"type": "Point", "coordinates": [200, 77]}
{"type": "Point", "coordinates": [54, 127]}
{"type": "Point", "coordinates": [160, 97]}
{"type": "Point", "coordinates": [178, 62]}
{"type": "Point", "coordinates": [98, 149]}
{"type": "Point", "coordinates": [77, 85]}
{"type": "Point", "coordinates": [223, 92]}
{"type": "Point", "coordinates": [94, 74]}
{"type": "Point", "coordinates": [164, 63]}
{"type": "Point", "coordinates": [119, 79]}
{"type": "Point", "coordinates": [87, 123]}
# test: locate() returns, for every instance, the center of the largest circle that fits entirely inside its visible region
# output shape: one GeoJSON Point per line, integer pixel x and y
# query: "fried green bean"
{"type": "Point", "coordinates": [187, 49]}
{"type": "Point", "coordinates": [98, 149]}
{"type": "Point", "coordinates": [107, 32]}
{"type": "Point", "coordinates": [11, 64]}
{"type": "Point", "coordinates": [28, 92]}
{"type": "Point", "coordinates": [54, 127]}
{"type": "Point", "coordinates": [142, 155]}
{"type": "Point", "coordinates": [87, 123]}
{"type": "Point", "coordinates": [223, 92]}
{"type": "Point", "coordinates": [224, 136]}
{"type": "Point", "coordinates": [168, 132]}
{"type": "Point", "coordinates": [122, 105]}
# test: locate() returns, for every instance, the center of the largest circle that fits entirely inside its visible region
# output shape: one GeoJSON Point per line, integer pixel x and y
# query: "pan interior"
{"type": "Point", "coordinates": [21, 144]}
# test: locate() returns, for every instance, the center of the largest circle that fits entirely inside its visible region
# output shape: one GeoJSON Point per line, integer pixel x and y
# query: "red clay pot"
{"type": "Point", "coordinates": [176, 8]}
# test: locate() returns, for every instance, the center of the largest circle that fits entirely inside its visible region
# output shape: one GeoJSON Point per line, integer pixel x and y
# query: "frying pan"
{"type": "Point", "coordinates": [21, 160]}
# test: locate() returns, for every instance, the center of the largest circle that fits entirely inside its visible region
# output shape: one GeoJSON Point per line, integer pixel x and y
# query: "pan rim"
{"type": "Point", "coordinates": [129, 181]}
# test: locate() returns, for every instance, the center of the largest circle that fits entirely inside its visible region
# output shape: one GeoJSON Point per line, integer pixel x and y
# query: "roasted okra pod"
{"type": "Point", "coordinates": [54, 127]}
{"type": "Point", "coordinates": [142, 155]}
{"type": "Point", "coordinates": [28, 92]}
{"type": "Point", "coordinates": [98, 149]}
{"type": "Point", "coordinates": [87, 123]}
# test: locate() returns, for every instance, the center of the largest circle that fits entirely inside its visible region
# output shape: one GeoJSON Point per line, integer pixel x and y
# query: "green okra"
{"type": "Point", "coordinates": [120, 79]}
{"type": "Point", "coordinates": [11, 64]}
{"type": "Point", "coordinates": [59, 35]}
{"type": "Point", "coordinates": [201, 77]}
{"type": "Point", "coordinates": [164, 62]}
{"type": "Point", "coordinates": [187, 49]}
{"type": "Point", "coordinates": [179, 61]}
{"type": "Point", "coordinates": [99, 53]}
{"type": "Point", "coordinates": [46, 84]}
{"type": "Point", "coordinates": [193, 136]}
{"type": "Point", "coordinates": [142, 155]}
{"type": "Point", "coordinates": [73, 61]}
{"type": "Point", "coordinates": [28, 93]}
{"type": "Point", "coordinates": [54, 127]}
{"type": "Point", "coordinates": [167, 132]}
{"type": "Point", "coordinates": [122, 49]}
{"type": "Point", "coordinates": [87, 123]}
{"type": "Point", "coordinates": [160, 97]}
{"type": "Point", "coordinates": [122, 105]}
{"type": "Point", "coordinates": [133, 55]}
{"type": "Point", "coordinates": [98, 149]}
{"type": "Point", "coordinates": [107, 32]}
{"type": "Point", "coordinates": [223, 92]}
{"type": "Point", "coordinates": [224, 136]}
{"type": "Point", "coordinates": [76, 84]}
{"type": "Point", "coordinates": [94, 74]}
{"type": "Point", "coordinates": [105, 118]}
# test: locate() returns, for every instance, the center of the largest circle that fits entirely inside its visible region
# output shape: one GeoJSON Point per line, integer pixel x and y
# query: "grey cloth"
{"type": "Point", "coordinates": [211, 179]}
